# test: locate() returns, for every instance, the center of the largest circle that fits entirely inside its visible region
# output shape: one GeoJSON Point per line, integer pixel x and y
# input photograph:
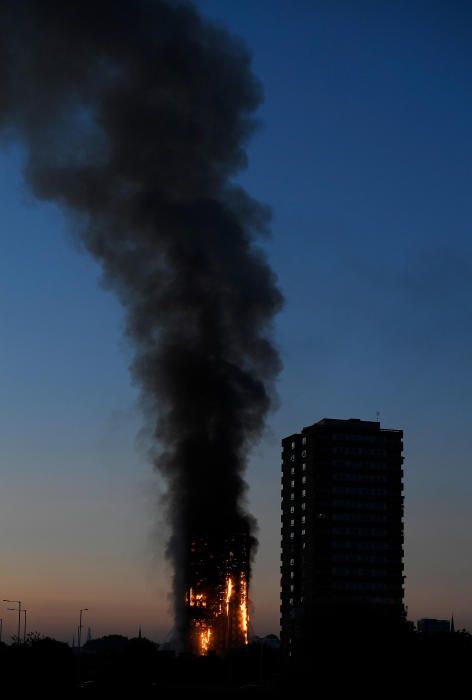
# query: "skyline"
{"type": "Point", "coordinates": [353, 148]}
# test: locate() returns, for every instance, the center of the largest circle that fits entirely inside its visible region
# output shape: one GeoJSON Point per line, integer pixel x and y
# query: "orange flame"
{"type": "Point", "coordinates": [198, 600]}
{"type": "Point", "coordinates": [243, 608]}
{"type": "Point", "coordinates": [205, 637]}
{"type": "Point", "coordinates": [229, 594]}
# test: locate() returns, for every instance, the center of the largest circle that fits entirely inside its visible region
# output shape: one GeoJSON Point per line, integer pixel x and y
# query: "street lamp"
{"type": "Point", "coordinates": [5, 600]}
{"type": "Point", "coordinates": [24, 627]}
{"type": "Point", "coordinates": [80, 626]}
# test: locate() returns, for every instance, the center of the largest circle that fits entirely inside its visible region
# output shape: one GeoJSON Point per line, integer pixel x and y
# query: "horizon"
{"type": "Point", "coordinates": [364, 155]}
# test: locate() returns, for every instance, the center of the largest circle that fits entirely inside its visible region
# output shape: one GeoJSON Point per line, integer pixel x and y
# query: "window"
{"type": "Point", "coordinates": [292, 574]}
{"type": "Point", "coordinates": [292, 535]}
{"type": "Point", "coordinates": [292, 496]}
{"type": "Point", "coordinates": [303, 506]}
{"type": "Point", "coordinates": [303, 545]}
{"type": "Point", "coordinates": [292, 483]}
{"type": "Point", "coordinates": [304, 453]}
{"type": "Point", "coordinates": [292, 588]}
{"type": "Point", "coordinates": [291, 601]}
{"type": "Point", "coordinates": [292, 509]}
{"type": "Point", "coordinates": [304, 441]}
{"type": "Point", "coordinates": [293, 445]}
{"type": "Point", "coordinates": [292, 470]}
{"type": "Point", "coordinates": [303, 519]}
{"type": "Point", "coordinates": [292, 562]}
{"type": "Point", "coordinates": [292, 458]}
{"type": "Point", "coordinates": [304, 466]}
{"type": "Point", "coordinates": [292, 522]}
{"type": "Point", "coordinates": [304, 493]}
{"type": "Point", "coordinates": [303, 479]}
{"type": "Point", "coordinates": [303, 533]}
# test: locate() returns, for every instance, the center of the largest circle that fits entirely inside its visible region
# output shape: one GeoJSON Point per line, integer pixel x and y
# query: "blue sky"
{"type": "Point", "coordinates": [364, 154]}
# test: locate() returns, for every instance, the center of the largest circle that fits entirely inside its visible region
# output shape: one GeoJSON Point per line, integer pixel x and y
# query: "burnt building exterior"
{"type": "Point", "coordinates": [342, 528]}
{"type": "Point", "coordinates": [216, 601]}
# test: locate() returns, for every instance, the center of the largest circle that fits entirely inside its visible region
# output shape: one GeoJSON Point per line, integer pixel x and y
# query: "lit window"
{"type": "Point", "coordinates": [303, 505]}
{"type": "Point", "coordinates": [292, 470]}
{"type": "Point", "coordinates": [304, 493]}
{"type": "Point", "coordinates": [304, 441]}
{"type": "Point", "coordinates": [292, 535]}
{"type": "Point", "coordinates": [292, 483]}
{"type": "Point", "coordinates": [292, 562]}
{"type": "Point", "coordinates": [303, 545]}
{"type": "Point", "coordinates": [304, 466]}
{"type": "Point", "coordinates": [292, 496]}
{"type": "Point", "coordinates": [304, 453]}
{"type": "Point", "coordinates": [292, 458]}
{"type": "Point", "coordinates": [292, 574]}
{"type": "Point", "coordinates": [293, 445]}
{"type": "Point", "coordinates": [303, 479]}
{"type": "Point", "coordinates": [292, 588]}
{"type": "Point", "coordinates": [303, 532]}
{"type": "Point", "coordinates": [292, 509]}
{"type": "Point", "coordinates": [292, 522]}
{"type": "Point", "coordinates": [303, 519]}
{"type": "Point", "coordinates": [291, 601]}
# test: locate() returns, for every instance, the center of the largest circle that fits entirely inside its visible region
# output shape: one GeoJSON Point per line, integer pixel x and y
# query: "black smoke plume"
{"type": "Point", "coordinates": [134, 115]}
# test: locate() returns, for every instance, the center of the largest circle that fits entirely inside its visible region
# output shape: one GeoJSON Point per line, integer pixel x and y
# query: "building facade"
{"type": "Point", "coordinates": [342, 528]}
{"type": "Point", "coordinates": [429, 625]}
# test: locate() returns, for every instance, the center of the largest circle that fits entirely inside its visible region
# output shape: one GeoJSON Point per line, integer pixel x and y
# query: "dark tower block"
{"type": "Point", "coordinates": [342, 529]}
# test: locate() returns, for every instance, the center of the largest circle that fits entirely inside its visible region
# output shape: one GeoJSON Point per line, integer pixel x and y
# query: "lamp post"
{"type": "Point", "coordinates": [79, 637]}
{"type": "Point", "coordinates": [18, 602]}
{"type": "Point", "coordinates": [80, 626]}
{"type": "Point", "coordinates": [24, 627]}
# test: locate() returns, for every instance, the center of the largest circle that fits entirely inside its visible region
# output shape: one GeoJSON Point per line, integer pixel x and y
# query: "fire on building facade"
{"type": "Point", "coordinates": [216, 602]}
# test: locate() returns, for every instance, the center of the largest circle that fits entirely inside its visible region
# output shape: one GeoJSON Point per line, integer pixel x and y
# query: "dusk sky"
{"type": "Point", "coordinates": [364, 154]}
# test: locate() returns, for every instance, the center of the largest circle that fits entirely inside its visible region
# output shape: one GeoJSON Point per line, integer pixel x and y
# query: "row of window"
{"type": "Point", "coordinates": [292, 472]}
{"type": "Point", "coordinates": [359, 571]}
{"type": "Point", "coordinates": [292, 483]}
{"type": "Point", "coordinates": [359, 505]}
{"type": "Point", "coordinates": [359, 531]}
{"type": "Point", "coordinates": [292, 457]}
{"type": "Point", "coordinates": [361, 546]}
{"type": "Point", "coordinates": [359, 491]}
{"type": "Point", "coordinates": [303, 504]}
{"type": "Point", "coordinates": [294, 444]}
{"type": "Point", "coordinates": [357, 465]}
{"type": "Point", "coordinates": [352, 437]}
{"type": "Point", "coordinates": [359, 450]}
{"type": "Point", "coordinates": [349, 557]}
{"type": "Point", "coordinates": [360, 517]}
{"type": "Point", "coordinates": [369, 478]}
{"type": "Point", "coordinates": [302, 532]}
{"type": "Point", "coordinates": [358, 586]}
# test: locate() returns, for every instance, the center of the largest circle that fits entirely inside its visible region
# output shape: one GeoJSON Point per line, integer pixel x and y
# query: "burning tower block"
{"type": "Point", "coordinates": [216, 601]}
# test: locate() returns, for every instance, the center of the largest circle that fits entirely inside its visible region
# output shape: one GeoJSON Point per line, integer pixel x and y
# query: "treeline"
{"type": "Point", "coordinates": [336, 660]}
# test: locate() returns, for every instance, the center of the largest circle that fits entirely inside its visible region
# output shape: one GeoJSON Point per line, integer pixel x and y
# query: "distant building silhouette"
{"type": "Point", "coordinates": [342, 528]}
{"type": "Point", "coordinates": [428, 625]}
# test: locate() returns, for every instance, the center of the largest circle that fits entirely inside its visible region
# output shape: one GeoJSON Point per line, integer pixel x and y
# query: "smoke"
{"type": "Point", "coordinates": [134, 115]}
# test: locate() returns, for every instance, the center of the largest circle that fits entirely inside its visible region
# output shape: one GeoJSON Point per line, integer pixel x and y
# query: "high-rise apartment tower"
{"type": "Point", "coordinates": [342, 528]}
